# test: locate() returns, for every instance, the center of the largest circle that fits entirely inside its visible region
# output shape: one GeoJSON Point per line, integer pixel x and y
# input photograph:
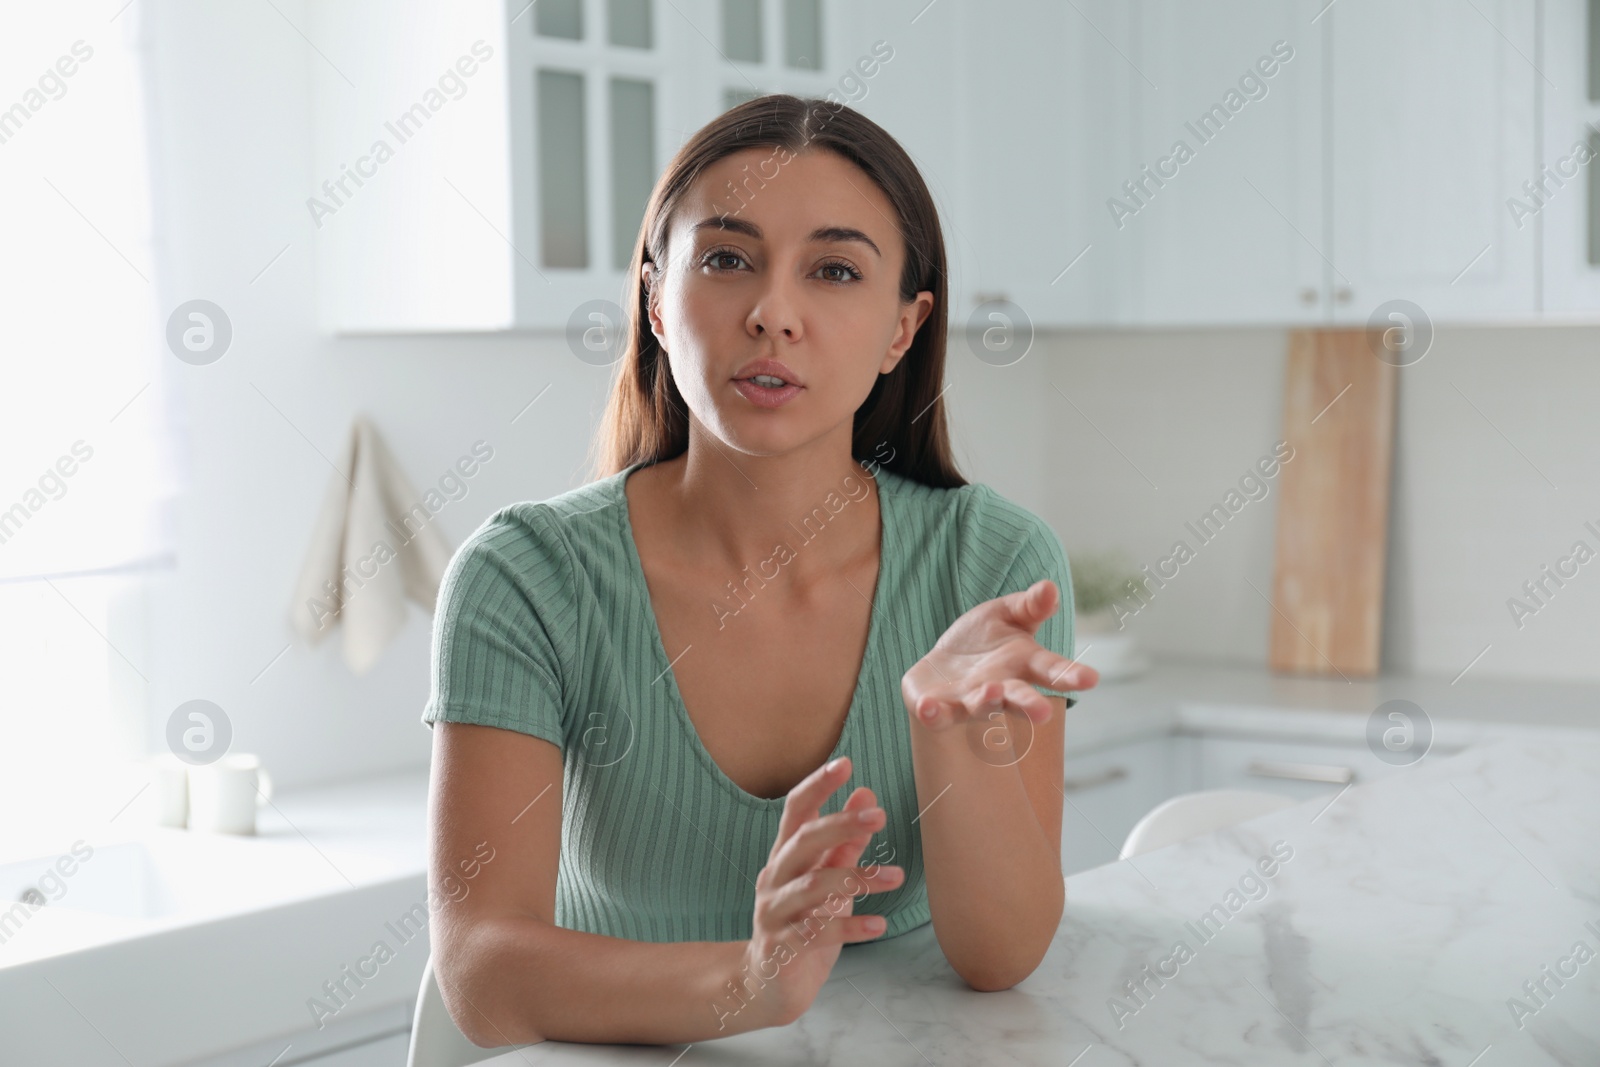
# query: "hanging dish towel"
{"type": "Point", "coordinates": [374, 545]}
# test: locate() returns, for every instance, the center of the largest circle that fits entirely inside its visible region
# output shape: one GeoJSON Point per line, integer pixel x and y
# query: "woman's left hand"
{"type": "Point", "coordinates": [988, 659]}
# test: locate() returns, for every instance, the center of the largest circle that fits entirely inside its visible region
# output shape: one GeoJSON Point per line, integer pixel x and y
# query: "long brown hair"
{"type": "Point", "coordinates": [901, 425]}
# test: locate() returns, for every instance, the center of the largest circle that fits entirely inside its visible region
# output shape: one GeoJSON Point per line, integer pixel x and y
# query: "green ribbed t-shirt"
{"type": "Point", "coordinates": [544, 626]}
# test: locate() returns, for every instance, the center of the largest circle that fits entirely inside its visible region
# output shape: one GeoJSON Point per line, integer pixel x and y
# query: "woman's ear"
{"type": "Point", "coordinates": [912, 315]}
{"type": "Point", "coordinates": [650, 275]}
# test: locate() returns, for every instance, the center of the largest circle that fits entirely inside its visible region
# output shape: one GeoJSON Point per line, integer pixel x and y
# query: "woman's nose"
{"type": "Point", "coordinates": [777, 308]}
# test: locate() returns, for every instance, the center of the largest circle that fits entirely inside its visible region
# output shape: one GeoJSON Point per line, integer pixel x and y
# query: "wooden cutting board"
{"type": "Point", "coordinates": [1333, 506]}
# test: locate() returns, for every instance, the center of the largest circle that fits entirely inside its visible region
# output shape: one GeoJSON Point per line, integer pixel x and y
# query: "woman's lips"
{"type": "Point", "coordinates": [764, 396]}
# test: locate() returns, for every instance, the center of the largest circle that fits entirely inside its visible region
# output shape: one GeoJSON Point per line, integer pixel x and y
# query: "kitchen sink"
{"type": "Point", "coordinates": [160, 876]}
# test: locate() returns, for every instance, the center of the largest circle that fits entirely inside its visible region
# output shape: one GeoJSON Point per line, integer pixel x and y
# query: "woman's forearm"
{"type": "Point", "coordinates": [516, 979]}
{"type": "Point", "coordinates": [994, 883]}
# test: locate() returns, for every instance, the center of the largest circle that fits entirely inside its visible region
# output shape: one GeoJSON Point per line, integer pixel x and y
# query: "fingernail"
{"type": "Point", "coordinates": [875, 923]}
{"type": "Point", "coordinates": [835, 765]}
{"type": "Point", "coordinates": [870, 814]}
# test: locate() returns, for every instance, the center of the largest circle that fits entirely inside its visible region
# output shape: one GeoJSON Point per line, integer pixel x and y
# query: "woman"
{"type": "Point", "coordinates": [648, 691]}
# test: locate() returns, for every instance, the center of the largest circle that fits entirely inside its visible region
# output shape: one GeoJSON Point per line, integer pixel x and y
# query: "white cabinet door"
{"type": "Point", "coordinates": [917, 97]}
{"type": "Point", "coordinates": [1566, 194]}
{"type": "Point", "coordinates": [1106, 792]}
{"type": "Point", "coordinates": [1015, 112]}
{"type": "Point", "coordinates": [409, 202]}
{"type": "Point", "coordinates": [378, 1039]}
{"type": "Point", "coordinates": [1433, 131]}
{"type": "Point", "coordinates": [1046, 109]}
{"type": "Point", "coordinates": [1221, 205]}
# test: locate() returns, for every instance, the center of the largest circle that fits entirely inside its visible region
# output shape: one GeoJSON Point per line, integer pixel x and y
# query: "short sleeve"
{"type": "Point", "coordinates": [493, 660]}
{"type": "Point", "coordinates": [1026, 549]}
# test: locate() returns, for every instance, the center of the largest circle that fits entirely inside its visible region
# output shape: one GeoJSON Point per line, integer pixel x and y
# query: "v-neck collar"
{"type": "Point", "coordinates": [869, 657]}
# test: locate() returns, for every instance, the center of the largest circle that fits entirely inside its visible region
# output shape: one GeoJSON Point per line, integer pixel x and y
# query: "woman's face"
{"type": "Point", "coordinates": [800, 265]}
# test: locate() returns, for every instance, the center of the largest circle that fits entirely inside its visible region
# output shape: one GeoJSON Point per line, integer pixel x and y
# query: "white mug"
{"type": "Point", "coordinates": [223, 796]}
{"type": "Point", "coordinates": [169, 779]}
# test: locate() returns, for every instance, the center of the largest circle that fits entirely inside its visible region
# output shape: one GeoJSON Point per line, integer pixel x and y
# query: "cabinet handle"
{"type": "Point", "coordinates": [1308, 295]}
{"type": "Point", "coordinates": [1594, 140]}
{"type": "Point", "coordinates": [1091, 781]}
{"type": "Point", "coordinates": [1303, 772]}
{"type": "Point", "coordinates": [1342, 295]}
{"type": "Point", "coordinates": [1594, 51]}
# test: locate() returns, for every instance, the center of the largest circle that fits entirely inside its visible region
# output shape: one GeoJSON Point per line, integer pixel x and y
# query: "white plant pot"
{"type": "Point", "coordinates": [1110, 650]}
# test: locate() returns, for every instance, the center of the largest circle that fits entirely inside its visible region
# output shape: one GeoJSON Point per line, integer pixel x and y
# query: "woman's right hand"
{"type": "Point", "coordinates": [798, 932]}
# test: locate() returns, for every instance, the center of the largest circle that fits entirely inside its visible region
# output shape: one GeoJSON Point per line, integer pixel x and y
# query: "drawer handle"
{"type": "Point", "coordinates": [1303, 772]}
{"type": "Point", "coordinates": [1105, 777]}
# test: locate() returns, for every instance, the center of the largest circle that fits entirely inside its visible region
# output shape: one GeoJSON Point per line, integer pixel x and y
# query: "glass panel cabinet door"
{"type": "Point", "coordinates": [559, 18]}
{"type": "Point", "coordinates": [802, 34]}
{"type": "Point", "coordinates": [563, 207]}
{"type": "Point", "coordinates": [628, 23]}
{"type": "Point", "coordinates": [633, 167]}
{"type": "Point", "coordinates": [588, 81]}
{"type": "Point", "coordinates": [741, 30]}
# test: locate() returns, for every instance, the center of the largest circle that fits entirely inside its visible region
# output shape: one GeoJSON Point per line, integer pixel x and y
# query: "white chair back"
{"type": "Point", "coordinates": [1192, 814]}
{"type": "Point", "coordinates": [436, 1041]}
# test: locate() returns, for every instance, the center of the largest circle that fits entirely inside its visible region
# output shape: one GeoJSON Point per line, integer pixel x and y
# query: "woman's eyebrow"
{"type": "Point", "coordinates": [820, 234]}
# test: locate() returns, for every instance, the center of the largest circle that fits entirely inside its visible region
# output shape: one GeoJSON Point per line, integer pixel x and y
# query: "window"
{"type": "Point", "coordinates": [88, 475]}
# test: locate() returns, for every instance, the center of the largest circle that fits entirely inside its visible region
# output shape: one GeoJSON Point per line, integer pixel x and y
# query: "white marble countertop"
{"type": "Point", "coordinates": [1398, 926]}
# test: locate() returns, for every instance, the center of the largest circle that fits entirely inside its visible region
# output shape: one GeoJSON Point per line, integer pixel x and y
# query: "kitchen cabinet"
{"type": "Point", "coordinates": [380, 1038]}
{"type": "Point", "coordinates": [1106, 792]}
{"type": "Point", "coordinates": [1375, 161]}
{"type": "Point", "coordinates": [388, 1051]}
{"type": "Point", "coordinates": [1561, 200]}
{"type": "Point", "coordinates": [1258, 163]}
{"type": "Point", "coordinates": [1297, 769]}
{"type": "Point", "coordinates": [485, 165]}
{"type": "Point", "coordinates": [1096, 164]}
{"type": "Point", "coordinates": [1433, 130]}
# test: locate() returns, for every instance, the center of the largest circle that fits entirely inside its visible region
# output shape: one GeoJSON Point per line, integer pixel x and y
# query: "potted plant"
{"type": "Point", "coordinates": [1101, 584]}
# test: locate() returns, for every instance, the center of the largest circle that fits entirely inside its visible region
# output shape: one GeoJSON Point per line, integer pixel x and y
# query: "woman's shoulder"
{"type": "Point", "coordinates": [994, 545]}
{"type": "Point", "coordinates": [534, 539]}
{"type": "Point", "coordinates": [974, 512]}
{"type": "Point", "coordinates": [993, 515]}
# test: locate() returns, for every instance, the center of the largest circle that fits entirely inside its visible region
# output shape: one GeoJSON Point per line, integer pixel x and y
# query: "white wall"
{"type": "Point", "coordinates": [234, 139]}
{"type": "Point", "coordinates": [1483, 421]}
{"type": "Point", "coordinates": [1191, 409]}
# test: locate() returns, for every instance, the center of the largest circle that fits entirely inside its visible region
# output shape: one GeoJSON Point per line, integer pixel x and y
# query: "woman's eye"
{"type": "Point", "coordinates": [723, 260]}
{"type": "Point", "coordinates": [716, 256]}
